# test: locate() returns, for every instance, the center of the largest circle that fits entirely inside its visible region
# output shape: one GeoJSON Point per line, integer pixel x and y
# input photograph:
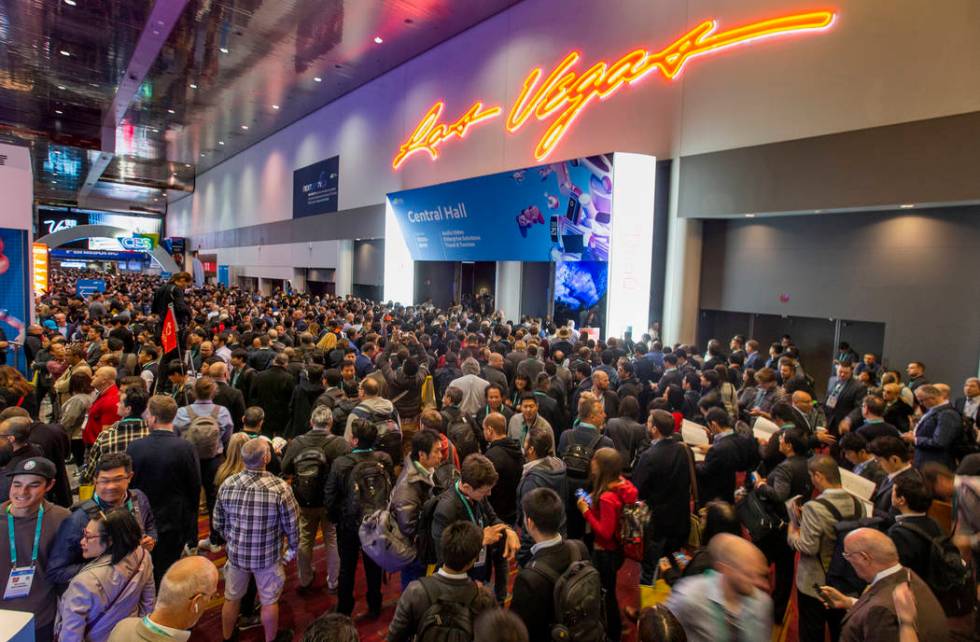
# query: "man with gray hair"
{"type": "Point", "coordinates": [254, 512]}
{"type": "Point", "coordinates": [308, 459]}
{"type": "Point", "coordinates": [872, 616]}
{"type": "Point", "coordinates": [472, 385]}
{"type": "Point", "coordinates": [183, 597]}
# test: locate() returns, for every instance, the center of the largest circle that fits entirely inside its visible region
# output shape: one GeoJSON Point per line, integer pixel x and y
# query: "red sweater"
{"type": "Point", "coordinates": [604, 518]}
{"type": "Point", "coordinates": [104, 412]}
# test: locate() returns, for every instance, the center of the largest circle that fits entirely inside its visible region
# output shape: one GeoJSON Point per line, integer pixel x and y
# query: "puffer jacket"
{"type": "Point", "coordinates": [411, 491]}
{"type": "Point", "coordinates": [540, 473]}
{"type": "Point", "coordinates": [103, 594]}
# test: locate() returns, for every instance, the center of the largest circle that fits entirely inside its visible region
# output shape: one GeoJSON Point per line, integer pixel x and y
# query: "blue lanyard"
{"type": "Point", "coordinates": [153, 627]}
{"type": "Point", "coordinates": [13, 537]}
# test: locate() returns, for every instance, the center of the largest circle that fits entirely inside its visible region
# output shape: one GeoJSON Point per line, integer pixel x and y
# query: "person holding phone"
{"type": "Point", "coordinates": [874, 616]}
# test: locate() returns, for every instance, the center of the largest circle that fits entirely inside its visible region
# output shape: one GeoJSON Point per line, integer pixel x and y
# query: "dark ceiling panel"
{"type": "Point", "coordinates": [230, 73]}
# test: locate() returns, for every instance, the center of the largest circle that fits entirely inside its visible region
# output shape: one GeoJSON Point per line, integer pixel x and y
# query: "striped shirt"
{"type": "Point", "coordinates": [114, 439]}
{"type": "Point", "coordinates": [254, 511]}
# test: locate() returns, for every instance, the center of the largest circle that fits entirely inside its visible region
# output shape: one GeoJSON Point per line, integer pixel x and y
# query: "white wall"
{"type": "Point", "coordinates": [883, 62]}
{"type": "Point", "coordinates": [17, 189]}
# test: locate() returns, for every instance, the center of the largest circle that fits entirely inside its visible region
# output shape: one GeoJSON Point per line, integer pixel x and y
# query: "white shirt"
{"type": "Point", "coordinates": [555, 541]}
{"type": "Point", "coordinates": [451, 576]}
{"type": "Point", "coordinates": [885, 573]}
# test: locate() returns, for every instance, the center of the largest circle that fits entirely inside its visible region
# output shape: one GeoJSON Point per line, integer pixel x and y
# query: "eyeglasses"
{"type": "Point", "coordinates": [90, 536]}
{"type": "Point", "coordinates": [849, 554]}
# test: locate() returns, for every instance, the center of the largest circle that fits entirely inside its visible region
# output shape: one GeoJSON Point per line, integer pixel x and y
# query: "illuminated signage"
{"type": "Point", "coordinates": [39, 255]}
{"type": "Point", "coordinates": [136, 243]}
{"type": "Point", "coordinates": [562, 96]}
{"type": "Point", "coordinates": [56, 225]}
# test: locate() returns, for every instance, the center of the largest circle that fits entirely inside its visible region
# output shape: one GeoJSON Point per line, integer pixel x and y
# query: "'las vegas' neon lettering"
{"type": "Point", "coordinates": [564, 94]}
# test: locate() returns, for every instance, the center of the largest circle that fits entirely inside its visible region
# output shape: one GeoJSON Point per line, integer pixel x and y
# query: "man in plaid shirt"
{"type": "Point", "coordinates": [132, 404]}
{"type": "Point", "coordinates": [254, 511]}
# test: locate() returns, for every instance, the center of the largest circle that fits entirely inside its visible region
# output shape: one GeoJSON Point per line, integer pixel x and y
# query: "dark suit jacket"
{"type": "Point", "coordinates": [54, 443]}
{"type": "Point", "coordinates": [716, 474]}
{"type": "Point", "coordinates": [663, 480]}
{"type": "Point", "coordinates": [166, 469]}
{"type": "Point", "coordinates": [233, 400]}
{"type": "Point", "coordinates": [882, 498]}
{"type": "Point", "coordinates": [913, 549]}
{"type": "Point", "coordinates": [243, 383]}
{"type": "Point", "coordinates": [849, 398]}
{"type": "Point", "coordinates": [272, 389]}
{"type": "Point", "coordinates": [873, 619]}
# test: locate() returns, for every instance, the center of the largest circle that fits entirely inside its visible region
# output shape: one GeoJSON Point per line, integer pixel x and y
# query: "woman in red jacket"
{"type": "Point", "coordinates": [610, 492]}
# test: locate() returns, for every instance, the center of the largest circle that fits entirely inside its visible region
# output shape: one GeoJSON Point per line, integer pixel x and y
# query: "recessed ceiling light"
{"type": "Point", "coordinates": [275, 106]}
{"type": "Point", "coordinates": [187, 164]}
{"type": "Point", "coordinates": [155, 130]}
{"type": "Point", "coordinates": [65, 52]}
{"type": "Point", "coordinates": [906, 206]}
{"type": "Point", "coordinates": [202, 154]}
{"type": "Point", "coordinates": [193, 86]}
{"type": "Point", "coordinates": [58, 111]}
{"type": "Point", "coordinates": [171, 111]}
{"type": "Point", "coordinates": [223, 49]}
{"type": "Point", "coordinates": [245, 127]}
{"type": "Point", "coordinates": [750, 216]}
{"type": "Point", "coordinates": [70, 3]}
{"type": "Point", "coordinates": [61, 87]}
{"type": "Point", "coordinates": [221, 142]}
{"type": "Point", "coordinates": [378, 40]}
{"type": "Point", "coordinates": [317, 79]}
{"type": "Point", "coordinates": [54, 182]}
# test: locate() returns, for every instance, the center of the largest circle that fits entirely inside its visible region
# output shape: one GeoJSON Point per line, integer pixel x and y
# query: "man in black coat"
{"type": "Point", "coordinates": [227, 396]}
{"type": "Point", "coordinates": [729, 453]}
{"type": "Point", "coordinates": [242, 374]}
{"type": "Point", "coordinates": [844, 394]}
{"type": "Point", "coordinates": [894, 457]}
{"type": "Point", "coordinates": [271, 390]}
{"type": "Point", "coordinates": [508, 460]}
{"type": "Point", "coordinates": [533, 599]}
{"type": "Point", "coordinates": [663, 480]}
{"type": "Point", "coordinates": [53, 442]}
{"type": "Point", "coordinates": [913, 530]}
{"type": "Point", "coordinates": [166, 469]}
{"type": "Point", "coordinates": [169, 294]}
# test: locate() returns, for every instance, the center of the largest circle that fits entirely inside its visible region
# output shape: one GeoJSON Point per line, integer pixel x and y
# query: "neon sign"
{"type": "Point", "coordinates": [565, 93]}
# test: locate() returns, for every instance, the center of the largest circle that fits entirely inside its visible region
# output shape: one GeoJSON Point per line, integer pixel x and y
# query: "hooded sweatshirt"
{"type": "Point", "coordinates": [604, 517]}
{"type": "Point", "coordinates": [375, 405]}
{"type": "Point", "coordinates": [548, 472]}
{"type": "Point", "coordinates": [508, 461]}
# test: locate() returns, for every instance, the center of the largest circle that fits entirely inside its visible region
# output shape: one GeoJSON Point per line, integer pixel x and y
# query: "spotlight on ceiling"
{"type": "Point", "coordinates": [275, 106]}
{"type": "Point", "coordinates": [378, 40]}
{"type": "Point", "coordinates": [65, 52]}
{"type": "Point", "coordinates": [245, 127]}
{"type": "Point", "coordinates": [317, 79]}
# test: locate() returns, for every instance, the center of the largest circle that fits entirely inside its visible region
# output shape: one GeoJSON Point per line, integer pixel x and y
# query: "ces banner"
{"type": "Point", "coordinates": [15, 294]}
{"type": "Point", "coordinates": [556, 212]}
{"type": "Point", "coordinates": [315, 188]}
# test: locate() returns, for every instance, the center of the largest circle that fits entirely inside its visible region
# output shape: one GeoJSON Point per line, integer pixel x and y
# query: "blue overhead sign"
{"type": "Point", "coordinates": [555, 212]}
{"type": "Point", "coordinates": [87, 287]}
{"type": "Point", "coordinates": [315, 188]}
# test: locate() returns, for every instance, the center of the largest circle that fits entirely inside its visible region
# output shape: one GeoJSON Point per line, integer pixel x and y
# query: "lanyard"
{"type": "Point", "coordinates": [466, 504]}
{"type": "Point", "coordinates": [13, 537]}
{"type": "Point", "coordinates": [129, 503]}
{"type": "Point", "coordinates": [153, 627]}
{"type": "Point", "coordinates": [362, 450]}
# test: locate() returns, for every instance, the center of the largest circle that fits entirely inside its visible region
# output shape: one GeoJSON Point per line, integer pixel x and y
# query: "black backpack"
{"type": "Point", "coordinates": [425, 545]}
{"type": "Point", "coordinates": [966, 442]}
{"type": "Point", "coordinates": [578, 458]}
{"type": "Point", "coordinates": [840, 573]}
{"type": "Point", "coordinates": [389, 432]}
{"type": "Point", "coordinates": [341, 410]}
{"type": "Point", "coordinates": [949, 577]}
{"type": "Point", "coordinates": [312, 467]}
{"type": "Point", "coordinates": [446, 620]}
{"type": "Point", "coordinates": [462, 432]}
{"type": "Point", "coordinates": [369, 487]}
{"type": "Point", "coordinates": [579, 605]}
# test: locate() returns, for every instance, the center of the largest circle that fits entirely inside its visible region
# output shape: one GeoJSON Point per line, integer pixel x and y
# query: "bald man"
{"type": "Point", "coordinates": [969, 404]}
{"type": "Point", "coordinates": [872, 617]}
{"type": "Point", "coordinates": [731, 604]}
{"type": "Point", "coordinates": [227, 395]}
{"type": "Point", "coordinates": [184, 593]}
{"type": "Point", "coordinates": [105, 409]}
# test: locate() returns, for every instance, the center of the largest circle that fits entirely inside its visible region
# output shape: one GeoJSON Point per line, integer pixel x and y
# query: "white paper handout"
{"type": "Point", "coordinates": [763, 428]}
{"type": "Point", "coordinates": [693, 435]}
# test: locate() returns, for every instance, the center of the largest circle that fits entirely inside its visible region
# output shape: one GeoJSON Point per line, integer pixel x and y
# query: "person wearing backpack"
{"type": "Point", "coordinates": [461, 428]}
{"type": "Point", "coordinates": [468, 500]}
{"type": "Point", "coordinates": [816, 539]}
{"type": "Point", "coordinates": [542, 470]}
{"type": "Point", "coordinates": [415, 486]}
{"type": "Point", "coordinates": [380, 412]}
{"type": "Point", "coordinates": [539, 586]}
{"type": "Point", "coordinates": [508, 460]}
{"type": "Point", "coordinates": [307, 460]}
{"type": "Point", "coordinates": [924, 547]}
{"type": "Point", "coordinates": [442, 607]}
{"type": "Point", "coordinates": [576, 448]}
{"type": "Point", "coordinates": [602, 509]}
{"type": "Point", "coordinates": [358, 483]}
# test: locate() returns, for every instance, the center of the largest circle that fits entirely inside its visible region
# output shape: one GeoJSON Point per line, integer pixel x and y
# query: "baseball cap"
{"type": "Point", "coordinates": [35, 466]}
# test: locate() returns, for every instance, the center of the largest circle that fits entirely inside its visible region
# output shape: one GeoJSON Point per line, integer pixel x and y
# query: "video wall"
{"type": "Point", "coordinates": [143, 232]}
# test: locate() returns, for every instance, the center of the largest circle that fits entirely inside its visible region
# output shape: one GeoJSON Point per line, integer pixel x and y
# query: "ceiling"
{"type": "Point", "coordinates": [123, 102]}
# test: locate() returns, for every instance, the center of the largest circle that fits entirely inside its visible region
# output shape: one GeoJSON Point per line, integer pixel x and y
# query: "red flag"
{"type": "Point", "coordinates": [168, 338]}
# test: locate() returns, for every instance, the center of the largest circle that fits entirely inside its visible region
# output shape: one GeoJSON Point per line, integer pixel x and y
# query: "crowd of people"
{"type": "Point", "coordinates": [451, 446]}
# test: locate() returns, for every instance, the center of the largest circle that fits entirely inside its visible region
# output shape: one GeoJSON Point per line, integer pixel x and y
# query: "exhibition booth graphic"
{"type": "Point", "coordinates": [590, 218]}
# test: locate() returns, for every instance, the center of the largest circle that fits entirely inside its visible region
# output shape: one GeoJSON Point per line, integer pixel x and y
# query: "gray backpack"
{"type": "Point", "coordinates": [204, 432]}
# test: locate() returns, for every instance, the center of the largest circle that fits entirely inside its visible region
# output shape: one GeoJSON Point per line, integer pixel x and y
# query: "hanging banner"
{"type": "Point", "coordinates": [315, 188]}
{"type": "Point", "coordinates": [39, 254]}
{"type": "Point", "coordinates": [556, 212]}
{"type": "Point", "coordinates": [15, 297]}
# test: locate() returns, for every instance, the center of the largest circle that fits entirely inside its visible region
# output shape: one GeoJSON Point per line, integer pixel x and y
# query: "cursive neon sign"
{"type": "Point", "coordinates": [563, 95]}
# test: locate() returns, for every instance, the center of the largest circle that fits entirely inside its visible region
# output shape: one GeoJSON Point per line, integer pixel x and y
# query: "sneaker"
{"type": "Point", "coordinates": [249, 622]}
{"type": "Point", "coordinates": [206, 545]}
{"type": "Point", "coordinates": [284, 635]}
{"type": "Point", "coordinates": [332, 589]}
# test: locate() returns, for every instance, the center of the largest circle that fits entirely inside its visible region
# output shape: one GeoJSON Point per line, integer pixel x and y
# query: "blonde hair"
{"type": "Point", "coordinates": [233, 462]}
